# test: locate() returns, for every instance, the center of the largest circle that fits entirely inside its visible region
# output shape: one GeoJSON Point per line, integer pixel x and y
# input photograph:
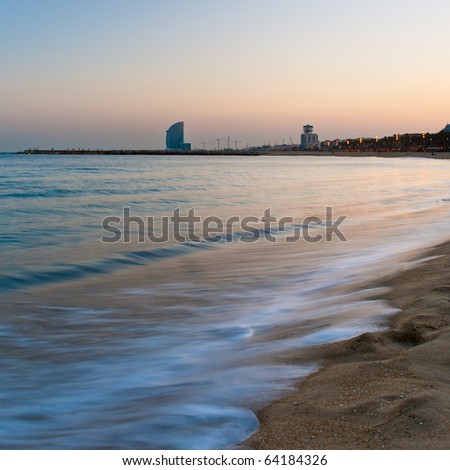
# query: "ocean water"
{"type": "Point", "coordinates": [176, 345]}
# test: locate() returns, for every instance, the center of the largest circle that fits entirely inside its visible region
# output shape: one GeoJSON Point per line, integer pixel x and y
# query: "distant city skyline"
{"type": "Point", "coordinates": [111, 74]}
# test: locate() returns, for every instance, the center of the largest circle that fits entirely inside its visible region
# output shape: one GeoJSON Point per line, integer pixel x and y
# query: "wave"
{"type": "Point", "coordinates": [71, 272]}
{"type": "Point", "coordinates": [42, 194]}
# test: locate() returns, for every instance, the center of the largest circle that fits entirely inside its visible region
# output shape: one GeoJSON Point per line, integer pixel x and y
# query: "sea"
{"type": "Point", "coordinates": [112, 337]}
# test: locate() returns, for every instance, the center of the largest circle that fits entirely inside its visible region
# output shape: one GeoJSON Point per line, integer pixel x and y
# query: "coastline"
{"type": "Point", "coordinates": [384, 390]}
{"type": "Point", "coordinates": [388, 154]}
{"type": "Point", "coordinates": [253, 152]}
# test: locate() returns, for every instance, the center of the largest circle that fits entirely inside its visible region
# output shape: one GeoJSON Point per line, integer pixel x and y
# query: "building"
{"type": "Point", "coordinates": [175, 137]}
{"type": "Point", "coordinates": [308, 140]}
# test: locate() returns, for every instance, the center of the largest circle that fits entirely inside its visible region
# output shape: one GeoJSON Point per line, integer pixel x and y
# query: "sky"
{"type": "Point", "coordinates": [116, 74]}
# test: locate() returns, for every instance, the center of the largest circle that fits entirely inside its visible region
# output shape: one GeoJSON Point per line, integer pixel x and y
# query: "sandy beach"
{"type": "Point", "coordinates": [384, 390]}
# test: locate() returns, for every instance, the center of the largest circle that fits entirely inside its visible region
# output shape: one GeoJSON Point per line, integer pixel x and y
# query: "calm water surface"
{"type": "Point", "coordinates": [176, 345]}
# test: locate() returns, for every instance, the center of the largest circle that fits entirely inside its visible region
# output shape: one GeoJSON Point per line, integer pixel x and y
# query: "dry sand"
{"type": "Point", "coordinates": [385, 390]}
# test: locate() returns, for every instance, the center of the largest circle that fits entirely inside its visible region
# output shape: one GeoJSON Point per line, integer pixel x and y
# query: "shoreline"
{"type": "Point", "coordinates": [251, 152]}
{"type": "Point", "coordinates": [362, 154]}
{"type": "Point", "coordinates": [384, 390]}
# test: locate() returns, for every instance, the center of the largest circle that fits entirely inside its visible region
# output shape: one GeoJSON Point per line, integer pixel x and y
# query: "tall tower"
{"type": "Point", "coordinates": [175, 137]}
{"type": "Point", "coordinates": [308, 140]}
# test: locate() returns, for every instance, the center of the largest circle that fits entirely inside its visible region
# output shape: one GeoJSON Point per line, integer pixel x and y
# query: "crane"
{"type": "Point", "coordinates": [236, 142]}
{"type": "Point", "coordinates": [218, 141]}
{"type": "Point", "coordinates": [206, 143]}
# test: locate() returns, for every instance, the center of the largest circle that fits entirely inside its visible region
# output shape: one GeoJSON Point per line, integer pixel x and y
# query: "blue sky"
{"type": "Point", "coordinates": [116, 74]}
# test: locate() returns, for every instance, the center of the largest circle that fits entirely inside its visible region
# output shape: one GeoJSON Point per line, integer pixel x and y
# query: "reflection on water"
{"type": "Point", "coordinates": [144, 346]}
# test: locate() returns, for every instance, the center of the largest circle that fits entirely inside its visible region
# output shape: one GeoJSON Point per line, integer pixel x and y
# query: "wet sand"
{"type": "Point", "coordinates": [384, 390]}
